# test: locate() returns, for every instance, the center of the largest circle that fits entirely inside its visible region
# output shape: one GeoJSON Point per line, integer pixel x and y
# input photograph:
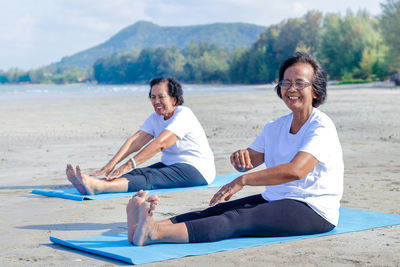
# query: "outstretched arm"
{"type": "Point", "coordinates": [163, 141]}
{"type": "Point", "coordinates": [132, 144]}
{"type": "Point", "coordinates": [294, 170]}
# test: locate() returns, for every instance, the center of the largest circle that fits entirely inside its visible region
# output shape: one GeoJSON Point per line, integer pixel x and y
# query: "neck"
{"type": "Point", "coordinates": [169, 115]}
{"type": "Point", "coordinates": [299, 118]}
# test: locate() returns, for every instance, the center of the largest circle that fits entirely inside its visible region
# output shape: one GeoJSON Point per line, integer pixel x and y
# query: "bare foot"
{"type": "Point", "coordinates": [87, 181]}
{"type": "Point", "coordinates": [75, 181]}
{"type": "Point", "coordinates": [132, 212]}
{"type": "Point", "coordinates": [133, 208]}
{"type": "Point", "coordinates": [146, 230]}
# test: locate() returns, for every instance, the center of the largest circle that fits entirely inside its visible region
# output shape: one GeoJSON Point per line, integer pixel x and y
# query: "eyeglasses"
{"type": "Point", "coordinates": [299, 84]}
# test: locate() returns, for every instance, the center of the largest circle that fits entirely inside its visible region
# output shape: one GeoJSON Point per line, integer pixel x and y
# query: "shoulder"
{"type": "Point", "coordinates": [319, 118]}
{"type": "Point", "coordinates": [277, 124]}
{"type": "Point", "coordinates": [322, 126]}
{"type": "Point", "coordinates": [183, 112]}
{"type": "Point", "coordinates": [152, 117]}
{"type": "Point", "coordinates": [280, 121]}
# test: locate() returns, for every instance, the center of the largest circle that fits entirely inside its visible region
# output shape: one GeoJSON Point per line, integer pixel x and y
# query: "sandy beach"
{"type": "Point", "coordinates": [39, 137]}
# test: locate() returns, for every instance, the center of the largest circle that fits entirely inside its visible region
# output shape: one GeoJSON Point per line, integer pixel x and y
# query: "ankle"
{"type": "Point", "coordinates": [97, 185]}
{"type": "Point", "coordinates": [155, 233]}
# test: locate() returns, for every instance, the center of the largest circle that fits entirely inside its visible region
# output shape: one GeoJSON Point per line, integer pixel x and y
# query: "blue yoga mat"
{"type": "Point", "coordinates": [116, 246]}
{"type": "Point", "coordinates": [73, 194]}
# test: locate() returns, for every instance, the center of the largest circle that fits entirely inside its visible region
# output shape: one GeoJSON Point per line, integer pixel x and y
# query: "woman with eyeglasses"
{"type": "Point", "coordinates": [303, 175]}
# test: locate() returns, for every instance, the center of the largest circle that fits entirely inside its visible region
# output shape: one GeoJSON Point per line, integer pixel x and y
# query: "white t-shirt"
{"type": "Point", "coordinates": [322, 188]}
{"type": "Point", "coordinates": [191, 148]}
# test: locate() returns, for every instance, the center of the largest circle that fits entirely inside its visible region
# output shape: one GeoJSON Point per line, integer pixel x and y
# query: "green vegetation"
{"type": "Point", "coordinates": [348, 79]}
{"type": "Point", "coordinates": [390, 27]}
{"type": "Point", "coordinates": [48, 75]}
{"type": "Point", "coordinates": [261, 62]}
{"type": "Point", "coordinates": [195, 63]}
{"type": "Point", "coordinates": [353, 48]}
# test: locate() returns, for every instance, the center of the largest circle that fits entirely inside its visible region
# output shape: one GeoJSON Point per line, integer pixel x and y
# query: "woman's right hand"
{"type": "Point", "coordinates": [241, 160]}
{"type": "Point", "coordinates": [121, 170]}
{"type": "Point", "coordinates": [105, 170]}
{"type": "Point", "coordinates": [228, 190]}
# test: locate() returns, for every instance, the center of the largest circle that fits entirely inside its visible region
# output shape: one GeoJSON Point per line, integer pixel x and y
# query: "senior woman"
{"type": "Point", "coordinates": [187, 159]}
{"type": "Point", "coordinates": [303, 178]}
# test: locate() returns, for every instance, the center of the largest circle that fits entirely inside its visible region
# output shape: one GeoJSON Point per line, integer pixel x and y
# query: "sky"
{"type": "Point", "coordinates": [35, 33]}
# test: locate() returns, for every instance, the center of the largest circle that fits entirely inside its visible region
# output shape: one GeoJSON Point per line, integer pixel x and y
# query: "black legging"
{"type": "Point", "coordinates": [160, 175]}
{"type": "Point", "coordinates": [253, 216]}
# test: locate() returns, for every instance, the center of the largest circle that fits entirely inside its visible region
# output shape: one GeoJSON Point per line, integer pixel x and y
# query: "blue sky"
{"type": "Point", "coordinates": [35, 33]}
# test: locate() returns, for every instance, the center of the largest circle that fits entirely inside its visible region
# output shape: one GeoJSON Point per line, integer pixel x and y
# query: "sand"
{"type": "Point", "coordinates": [39, 137]}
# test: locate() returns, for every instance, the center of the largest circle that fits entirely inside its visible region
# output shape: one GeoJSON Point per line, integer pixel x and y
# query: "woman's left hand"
{"type": "Point", "coordinates": [227, 191]}
{"type": "Point", "coordinates": [120, 171]}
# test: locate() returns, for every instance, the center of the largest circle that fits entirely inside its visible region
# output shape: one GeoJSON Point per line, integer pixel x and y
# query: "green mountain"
{"type": "Point", "coordinates": [145, 34]}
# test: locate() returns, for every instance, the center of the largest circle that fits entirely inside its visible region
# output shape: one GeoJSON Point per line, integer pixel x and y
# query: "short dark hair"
{"type": "Point", "coordinates": [174, 88]}
{"type": "Point", "coordinates": [319, 81]}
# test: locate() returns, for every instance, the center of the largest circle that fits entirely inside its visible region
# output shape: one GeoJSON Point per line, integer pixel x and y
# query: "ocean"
{"type": "Point", "coordinates": [13, 92]}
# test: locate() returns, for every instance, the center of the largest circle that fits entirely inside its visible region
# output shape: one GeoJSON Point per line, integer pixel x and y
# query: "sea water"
{"type": "Point", "coordinates": [16, 92]}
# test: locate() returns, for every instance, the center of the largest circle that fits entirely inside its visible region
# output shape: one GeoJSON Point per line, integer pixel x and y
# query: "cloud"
{"type": "Point", "coordinates": [36, 33]}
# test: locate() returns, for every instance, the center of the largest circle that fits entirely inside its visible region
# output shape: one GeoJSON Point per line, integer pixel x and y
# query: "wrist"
{"type": "Point", "coordinates": [241, 180]}
{"type": "Point", "coordinates": [111, 163]}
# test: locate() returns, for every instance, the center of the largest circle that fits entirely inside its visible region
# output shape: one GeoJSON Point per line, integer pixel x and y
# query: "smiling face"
{"type": "Point", "coordinates": [299, 100]}
{"type": "Point", "coordinates": [162, 102]}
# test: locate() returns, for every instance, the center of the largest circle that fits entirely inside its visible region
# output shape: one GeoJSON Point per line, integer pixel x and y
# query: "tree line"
{"type": "Point", "coordinates": [355, 47]}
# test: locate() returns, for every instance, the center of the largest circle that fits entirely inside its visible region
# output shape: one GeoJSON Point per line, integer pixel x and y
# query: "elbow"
{"type": "Point", "coordinates": [164, 143]}
{"type": "Point", "coordinates": [295, 177]}
{"type": "Point", "coordinates": [296, 173]}
{"type": "Point", "coordinates": [160, 145]}
{"type": "Point", "coordinates": [132, 146]}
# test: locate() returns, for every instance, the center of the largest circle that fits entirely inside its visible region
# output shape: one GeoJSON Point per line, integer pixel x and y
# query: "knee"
{"type": "Point", "coordinates": [223, 228]}
{"type": "Point", "coordinates": [137, 183]}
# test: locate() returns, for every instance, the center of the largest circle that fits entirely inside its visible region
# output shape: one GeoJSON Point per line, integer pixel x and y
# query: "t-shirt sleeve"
{"type": "Point", "coordinates": [148, 125]}
{"type": "Point", "coordinates": [181, 124]}
{"type": "Point", "coordinates": [259, 143]}
{"type": "Point", "coordinates": [319, 141]}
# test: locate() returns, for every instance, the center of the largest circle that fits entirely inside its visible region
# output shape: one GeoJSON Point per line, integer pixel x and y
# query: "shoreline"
{"type": "Point", "coordinates": [28, 93]}
{"type": "Point", "coordinates": [39, 137]}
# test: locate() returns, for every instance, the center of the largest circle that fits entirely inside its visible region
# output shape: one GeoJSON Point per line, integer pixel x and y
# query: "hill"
{"type": "Point", "coordinates": [145, 34]}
